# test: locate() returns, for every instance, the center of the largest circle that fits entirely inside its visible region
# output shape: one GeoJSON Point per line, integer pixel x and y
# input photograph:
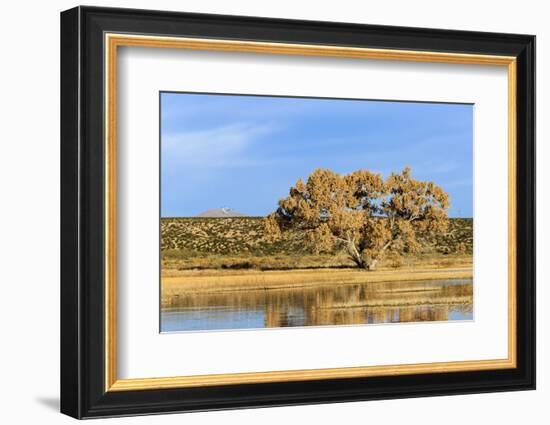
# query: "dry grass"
{"type": "Point", "coordinates": [204, 281]}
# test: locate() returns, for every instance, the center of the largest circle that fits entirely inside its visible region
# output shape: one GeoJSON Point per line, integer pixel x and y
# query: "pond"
{"type": "Point", "coordinates": [349, 304]}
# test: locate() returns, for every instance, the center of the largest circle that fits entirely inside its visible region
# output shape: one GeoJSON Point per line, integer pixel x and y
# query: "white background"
{"type": "Point", "coordinates": [140, 345]}
{"type": "Point", "coordinates": [29, 217]}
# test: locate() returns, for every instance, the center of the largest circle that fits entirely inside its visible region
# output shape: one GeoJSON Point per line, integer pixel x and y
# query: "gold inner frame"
{"type": "Point", "coordinates": [113, 41]}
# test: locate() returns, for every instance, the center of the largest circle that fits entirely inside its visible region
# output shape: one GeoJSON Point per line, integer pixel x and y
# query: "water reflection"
{"type": "Point", "coordinates": [434, 300]}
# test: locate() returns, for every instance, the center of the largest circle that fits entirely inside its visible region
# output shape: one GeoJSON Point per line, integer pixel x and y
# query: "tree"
{"type": "Point", "coordinates": [361, 213]}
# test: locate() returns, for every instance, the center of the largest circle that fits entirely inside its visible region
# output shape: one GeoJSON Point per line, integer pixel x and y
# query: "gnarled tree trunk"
{"type": "Point", "coordinates": [355, 255]}
{"type": "Point", "coordinates": [363, 261]}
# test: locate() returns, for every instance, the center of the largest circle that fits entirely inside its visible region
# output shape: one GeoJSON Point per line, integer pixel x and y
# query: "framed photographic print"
{"type": "Point", "coordinates": [261, 212]}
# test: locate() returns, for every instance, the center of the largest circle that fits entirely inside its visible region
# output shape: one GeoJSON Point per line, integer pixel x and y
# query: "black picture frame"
{"type": "Point", "coordinates": [83, 392]}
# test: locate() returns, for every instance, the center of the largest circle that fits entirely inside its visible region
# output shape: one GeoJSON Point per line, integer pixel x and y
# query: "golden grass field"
{"type": "Point", "coordinates": [178, 281]}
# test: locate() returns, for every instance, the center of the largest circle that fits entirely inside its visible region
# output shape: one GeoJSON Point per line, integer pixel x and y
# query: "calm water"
{"type": "Point", "coordinates": [433, 300]}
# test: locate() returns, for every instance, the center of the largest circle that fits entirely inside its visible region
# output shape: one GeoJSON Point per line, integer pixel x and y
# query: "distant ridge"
{"type": "Point", "coordinates": [220, 213]}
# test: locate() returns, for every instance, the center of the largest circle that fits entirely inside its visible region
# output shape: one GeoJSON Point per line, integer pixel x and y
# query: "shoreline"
{"type": "Point", "coordinates": [215, 281]}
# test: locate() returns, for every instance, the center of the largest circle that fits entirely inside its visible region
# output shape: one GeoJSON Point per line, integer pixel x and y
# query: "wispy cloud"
{"type": "Point", "coordinates": [213, 147]}
{"type": "Point", "coordinates": [459, 183]}
{"type": "Point", "coordinates": [438, 167]}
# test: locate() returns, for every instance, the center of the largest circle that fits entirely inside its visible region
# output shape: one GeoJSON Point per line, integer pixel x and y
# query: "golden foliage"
{"type": "Point", "coordinates": [361, 212]}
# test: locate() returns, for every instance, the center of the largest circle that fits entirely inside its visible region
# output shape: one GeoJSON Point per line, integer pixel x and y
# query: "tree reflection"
{"type": "Point", "coordinates": [335, 305]}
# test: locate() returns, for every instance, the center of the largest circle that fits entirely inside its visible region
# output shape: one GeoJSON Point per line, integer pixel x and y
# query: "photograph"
{"type": "Point", "coordinates": [292, 211]}
{"type": "Point", "coordinates": [284, 210]}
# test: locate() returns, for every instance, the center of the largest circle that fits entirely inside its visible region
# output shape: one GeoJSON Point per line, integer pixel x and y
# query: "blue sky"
{"type": "Point", "coordinates": [244, 152]}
